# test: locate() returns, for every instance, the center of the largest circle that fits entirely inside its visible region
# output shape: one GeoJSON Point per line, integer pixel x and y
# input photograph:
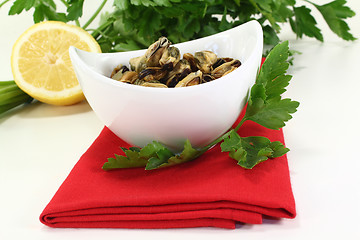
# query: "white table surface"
{"type": "Point", "coordinates": [40, 144]}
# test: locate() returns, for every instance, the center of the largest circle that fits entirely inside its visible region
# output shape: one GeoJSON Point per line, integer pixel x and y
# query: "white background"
{"type": "Point", "coordinates": [40, 144]}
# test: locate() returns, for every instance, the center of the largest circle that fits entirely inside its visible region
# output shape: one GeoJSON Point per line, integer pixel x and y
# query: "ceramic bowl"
{"type": "Point", "coordinates": [200, 113]}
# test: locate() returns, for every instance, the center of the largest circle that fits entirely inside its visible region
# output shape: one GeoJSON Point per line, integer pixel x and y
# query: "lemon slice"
{"type": "Point", "coordinates": [41, 64]}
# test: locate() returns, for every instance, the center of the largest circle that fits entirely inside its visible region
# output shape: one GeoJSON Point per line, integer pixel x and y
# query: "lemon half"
{"type": "Point", "coordinates": [41, 64]}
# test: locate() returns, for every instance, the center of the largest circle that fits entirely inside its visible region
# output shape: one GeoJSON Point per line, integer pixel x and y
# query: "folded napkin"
{"type": "Point", "coordinates": [211, 191]}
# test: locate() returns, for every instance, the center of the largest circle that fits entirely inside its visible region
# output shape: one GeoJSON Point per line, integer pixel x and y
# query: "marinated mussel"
{"type": "Point", "coordinates": [156, 51]}
{"type": "Point", "coordinates": [161, 66]}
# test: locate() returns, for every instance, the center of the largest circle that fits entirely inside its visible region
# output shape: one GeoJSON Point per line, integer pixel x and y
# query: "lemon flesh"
{"type": "Point", "coordinates": [41, 64]}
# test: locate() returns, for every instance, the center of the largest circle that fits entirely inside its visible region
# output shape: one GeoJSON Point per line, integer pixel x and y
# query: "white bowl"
{"type": "Point", "coordinates": [199, 113]}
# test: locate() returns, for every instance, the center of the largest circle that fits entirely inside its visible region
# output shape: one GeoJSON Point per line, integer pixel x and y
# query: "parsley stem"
{"type": "Point", "coordinates": [216, 141]}
{"type": "Point", "coordinates": [240, 123]}
{"type": "Point", "coordinates": [268, 16]}
{"type": "Point", "coordinates": [97, 32]}
{"type": "Point", "coordinates": [11, 96]}
{"type": "Point", "coordinates": [1, 4]}
{"type": "Point", "coordinates": [95, 14]}
{"type": "Point", "coordinates": [222, 137]}
{"type": "Point", "coordinates": [100, 29]}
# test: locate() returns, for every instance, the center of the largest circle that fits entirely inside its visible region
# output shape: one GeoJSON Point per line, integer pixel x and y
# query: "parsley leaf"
{"type": "Point", "coordinates": [266, 107]}
{"type": "Point", "coordinates": [305, 24]}
{"type": "Point", "coordinates": [130, 160]}
{"type": "Point", "coordinates": [152, 156]}
{"type": "Point", "coordinates": [250, 151]}
{"type": "Point", "coordinates": [275, 63]}
{"type": "Point", "coordinates": [271, 114]}
{"type": "Point", "coordinates": [334, 13]}
{"type": "Point", "coordinates": [264, 7]}
{"type": "Point", "coordinates": [74, 10]}
{"type": "Point", "coordinates": [47, 9]}
{"type": "Point", "coordinates": [189, 153]}
{"type": "Point", "coordinates": [49, 12]}
{"type": "Point", "coordinates": [20, 5]}
{"type": "Point", "coordinates": [270, 36]}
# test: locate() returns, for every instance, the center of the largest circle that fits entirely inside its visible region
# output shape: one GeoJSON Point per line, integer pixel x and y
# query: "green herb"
{"type": "Point", "coordinates": [137, 24]}
{"type": "Point", "coordinates": [46, 10]}
{"type": "Point", "coordinates": [265, 107]}
{"type": "Point", "coordinates": [11, 96]}
{"type": "Point", "coordinates": [334, 13]}
{"type": "Point", "coordinates": [250, 151]}
{"type": "Point", "coordinates": [152, 156]}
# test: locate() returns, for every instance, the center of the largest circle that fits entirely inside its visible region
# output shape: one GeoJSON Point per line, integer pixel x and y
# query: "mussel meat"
{"type": "Point", "coordinates": [138, 64]}
{"type": "Point", "coordinates": [129, 77]}
{"type": "Point", "coordinates": [205, 59]}
{"type": "Point", "coordinates": [225, 68]}
{"type": "Point", "coordinates": [153, 84]}
{"type": "Point", "coordinates": [192, 79]}
{"type": "Point", "coordinates": [118, 72]}
{"type": "Point", "coordinates": [170, 58]}
{"type": "Point", "coordinates": [192, 61]}
{"type": "Point", "coordinates": [152, 73]}
{"type": "Point", "coordinates": [162, 66]}
{"type": "Point", "coordinates": [180, 71]}
{"type": "Point", "coordinates": [154, 53]}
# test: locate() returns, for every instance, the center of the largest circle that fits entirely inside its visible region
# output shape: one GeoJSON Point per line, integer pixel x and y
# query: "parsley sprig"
{"type": "Point", "coordinates": [265, 107]}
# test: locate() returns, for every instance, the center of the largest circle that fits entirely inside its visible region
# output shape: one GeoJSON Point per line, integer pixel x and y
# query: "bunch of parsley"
{"type": "Point", "coordinates": [135, 24]}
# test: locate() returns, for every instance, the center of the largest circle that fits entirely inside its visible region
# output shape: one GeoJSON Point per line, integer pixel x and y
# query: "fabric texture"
{"type": "Point", "coordinates": [210, 191]}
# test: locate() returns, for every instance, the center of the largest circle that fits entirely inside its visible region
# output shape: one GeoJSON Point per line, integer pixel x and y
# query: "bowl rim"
{"type": "Point", "coordinates": [74, 56]}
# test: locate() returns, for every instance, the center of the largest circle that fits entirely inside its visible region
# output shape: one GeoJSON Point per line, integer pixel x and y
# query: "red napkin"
{"type": "Point", "coordinates": [211, 191]}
